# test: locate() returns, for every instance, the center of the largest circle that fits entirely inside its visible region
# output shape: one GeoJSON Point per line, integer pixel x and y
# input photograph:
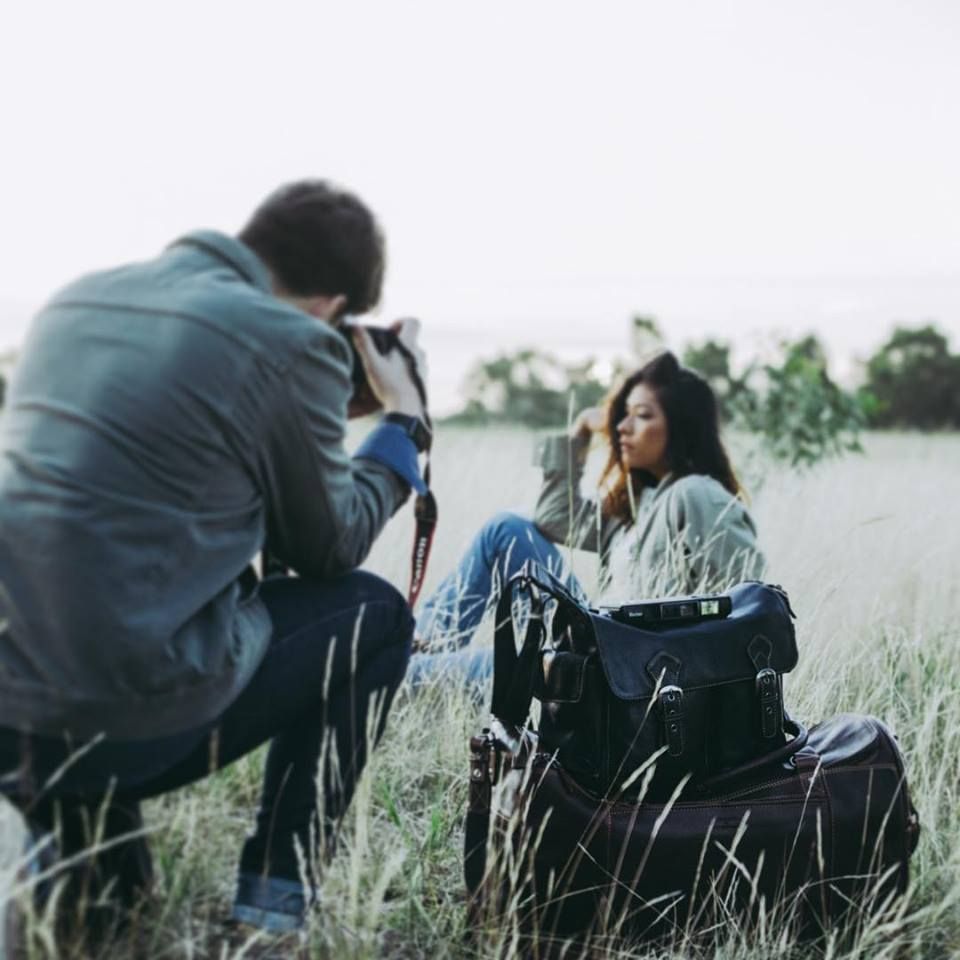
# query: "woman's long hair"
{"type": "Point", "coordinates": [693, 433]}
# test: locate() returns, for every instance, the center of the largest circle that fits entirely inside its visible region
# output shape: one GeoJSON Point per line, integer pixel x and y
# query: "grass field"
{"type": "Point", "coordinates": [868, 548]}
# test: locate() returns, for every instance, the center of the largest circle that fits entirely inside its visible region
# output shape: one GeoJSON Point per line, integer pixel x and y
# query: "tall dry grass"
{"type": "Point", "coordinates": [869, 549]}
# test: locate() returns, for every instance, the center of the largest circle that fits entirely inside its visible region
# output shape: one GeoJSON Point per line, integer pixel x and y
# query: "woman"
{"type": "Point", "coordinates": [669, 518]}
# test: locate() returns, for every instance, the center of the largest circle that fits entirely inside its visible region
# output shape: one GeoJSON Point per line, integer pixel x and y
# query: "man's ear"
{"type": "Point", "coordinates": [337, 305]}
{"type": "Point", "coordinates": [321, 306]}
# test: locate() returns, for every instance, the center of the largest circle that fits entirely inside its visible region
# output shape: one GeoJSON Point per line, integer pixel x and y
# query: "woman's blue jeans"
{"type": "Point", "coordinates": [450, 616]}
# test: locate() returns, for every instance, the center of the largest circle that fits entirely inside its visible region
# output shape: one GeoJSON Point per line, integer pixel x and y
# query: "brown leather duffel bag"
{"type": "Point", "coordinates": [805, 842]}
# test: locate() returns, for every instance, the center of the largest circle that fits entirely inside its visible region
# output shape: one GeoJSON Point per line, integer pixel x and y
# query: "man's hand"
{"type": "Point", "coordinates": [590, 421]}
{"type": "Point", "coordinates": [389, 374]}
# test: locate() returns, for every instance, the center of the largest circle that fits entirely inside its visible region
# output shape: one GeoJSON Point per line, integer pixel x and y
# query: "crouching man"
{"type": "Point", "coordinates": [166, 420]}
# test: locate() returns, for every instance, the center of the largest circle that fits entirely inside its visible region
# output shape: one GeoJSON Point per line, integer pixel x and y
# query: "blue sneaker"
{"type": "Point", "coordinates": [39, 855]}
{"type": "Point", "coordinates": [270, 903]}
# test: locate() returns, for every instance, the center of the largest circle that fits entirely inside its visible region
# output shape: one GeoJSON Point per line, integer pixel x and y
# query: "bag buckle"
{"type": "Point", "coordinates": [482, 771]}
{"type": "Point", "coordinates": [671, 704]}
{"type": "Point", "coordinates": [771, 706]}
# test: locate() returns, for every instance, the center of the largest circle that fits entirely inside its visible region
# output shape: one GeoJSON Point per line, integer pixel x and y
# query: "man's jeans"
{"type": "Point", "coordinates": [338, 654]}
{"type": "Point", "coordinates": [452, 613]}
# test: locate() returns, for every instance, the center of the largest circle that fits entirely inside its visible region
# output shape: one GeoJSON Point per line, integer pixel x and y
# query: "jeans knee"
{"type": "Point", "coordinates": [399, 616]}
{"type": "Point", "coordinates": [505, 527]}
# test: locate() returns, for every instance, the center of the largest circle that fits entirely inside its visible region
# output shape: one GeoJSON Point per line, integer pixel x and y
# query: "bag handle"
{"type": "Point", "coordinates": [515, 675]}
{"type": "Point", "coordinates": [800, 735]}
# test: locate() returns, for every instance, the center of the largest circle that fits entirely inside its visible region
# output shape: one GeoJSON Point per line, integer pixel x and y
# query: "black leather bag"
{"type": "Point", "coordinates": [802, 842]}
{"type": "Point", "coordinates": [625, 707]}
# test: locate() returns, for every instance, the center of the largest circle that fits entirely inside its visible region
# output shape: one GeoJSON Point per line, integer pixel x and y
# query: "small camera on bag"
{"type": "Point", "coordinates": [659, 613]}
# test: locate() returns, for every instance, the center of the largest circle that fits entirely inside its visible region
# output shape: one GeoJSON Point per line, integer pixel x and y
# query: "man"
{"type": "Point", "coordinates": [167, 420]}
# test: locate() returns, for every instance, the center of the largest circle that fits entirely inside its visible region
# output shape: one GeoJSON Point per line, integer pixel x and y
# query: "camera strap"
{"type": "Point", "coordinates": [425, 507]}
{"type": "Point", "coordinates": [425, 514]}
{"type": "Point", "coordinates": [424, 510]}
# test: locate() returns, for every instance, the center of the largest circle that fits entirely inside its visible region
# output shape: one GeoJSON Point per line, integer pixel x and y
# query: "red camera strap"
{"type": "Point", "coordinates": [425, 513]}
{"type": "Point", "coordinates": [425, 507]}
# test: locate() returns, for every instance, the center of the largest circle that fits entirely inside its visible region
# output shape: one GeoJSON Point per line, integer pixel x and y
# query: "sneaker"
{"type": "Point", "coordinates": [39, 855]}
{"type": "Point", "coordinates": [270, 903]}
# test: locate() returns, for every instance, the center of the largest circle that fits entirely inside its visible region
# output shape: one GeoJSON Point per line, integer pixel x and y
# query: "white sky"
{"type": "Point", "coordinates": [542, 170]}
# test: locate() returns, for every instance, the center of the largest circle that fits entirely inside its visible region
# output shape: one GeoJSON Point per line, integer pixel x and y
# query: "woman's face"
{"type": "Point", "coordinates": [643, 433]}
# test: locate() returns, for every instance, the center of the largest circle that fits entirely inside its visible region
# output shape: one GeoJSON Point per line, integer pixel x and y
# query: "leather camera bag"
{"type": "Point", "coordinates": [801, 841]}
{"type": "Point", "coordinates": [692, 699]}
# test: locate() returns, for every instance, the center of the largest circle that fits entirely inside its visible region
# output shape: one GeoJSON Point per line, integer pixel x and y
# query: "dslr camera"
{"type": "Point", "coordinates": [363, 400]}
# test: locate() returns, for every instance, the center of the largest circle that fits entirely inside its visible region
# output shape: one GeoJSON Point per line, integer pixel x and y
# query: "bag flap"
{"type": "Point", "coordinates": [758, 633]}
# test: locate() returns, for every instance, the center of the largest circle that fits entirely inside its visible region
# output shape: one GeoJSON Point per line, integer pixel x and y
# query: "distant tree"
{"type": "Point", "coordinates": [585, 383]}
{"type": "Point", "coordinates": [528, 387]}
{"type": "Point", "coordinates": [797, 410]}
{"type": "Point", "coordinates": [914, 381]}
{"type": "Point", "coordinates": [645, 336]}
{"type": "Point", "coordinates": [3, 389]}
{"type": "Point", "coordinates": [711, 359]}
{"type": "Point", "coordinates": [791, 404]}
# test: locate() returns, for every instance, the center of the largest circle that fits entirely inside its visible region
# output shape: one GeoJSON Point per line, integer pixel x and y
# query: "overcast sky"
{"type": "Point", "coordinates": [542, 170]}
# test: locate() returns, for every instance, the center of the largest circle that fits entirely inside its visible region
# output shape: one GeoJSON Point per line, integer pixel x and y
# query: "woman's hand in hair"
{"type": "Point", "coordinates": [590, 421]}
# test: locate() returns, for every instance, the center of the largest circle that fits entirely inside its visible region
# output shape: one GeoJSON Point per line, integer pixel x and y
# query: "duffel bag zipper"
{"type": "Point", "coordinates": [754, 786]}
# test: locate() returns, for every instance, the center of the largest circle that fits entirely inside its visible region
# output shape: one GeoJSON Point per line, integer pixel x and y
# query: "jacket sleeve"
{"type": "Point", "coordinates": [562, 514]}
{"type": "Point", "coordinates": [716, 536]}
{"type": "Point", "coordinates": [324, 509]}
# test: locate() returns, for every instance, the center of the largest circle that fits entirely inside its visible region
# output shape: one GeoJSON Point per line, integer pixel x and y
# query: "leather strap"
{"type": "Point", "coordinates": [760, 650]}
{"type": "Point", "coordinates": [414, 427]}
{"type": "Point", "coordinates": [769, 697]}
{"type": "Point", "coordinates": [771, 703]}
{"type": "Point", "coordinates": [514, 675]}
{"type": "Point", "coordinates": [664, 669]}
{"type": "Point", "coordinates": [517, 675]}
{"type": "Point", "coordinates": [671, 706]}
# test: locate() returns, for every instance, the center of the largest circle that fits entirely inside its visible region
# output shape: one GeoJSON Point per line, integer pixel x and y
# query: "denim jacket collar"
{"type": "Point", "coordinates": [232, 252]}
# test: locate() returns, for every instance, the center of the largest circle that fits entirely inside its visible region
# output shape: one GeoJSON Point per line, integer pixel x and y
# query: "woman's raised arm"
{"type": "Point", "coordinates": [562, 514]}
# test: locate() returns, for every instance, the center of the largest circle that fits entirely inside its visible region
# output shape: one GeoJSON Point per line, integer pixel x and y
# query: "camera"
{"type": "Point", "coordinates": [363, 400]}
{"type": "Point", "coordinates": [659, 613]}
